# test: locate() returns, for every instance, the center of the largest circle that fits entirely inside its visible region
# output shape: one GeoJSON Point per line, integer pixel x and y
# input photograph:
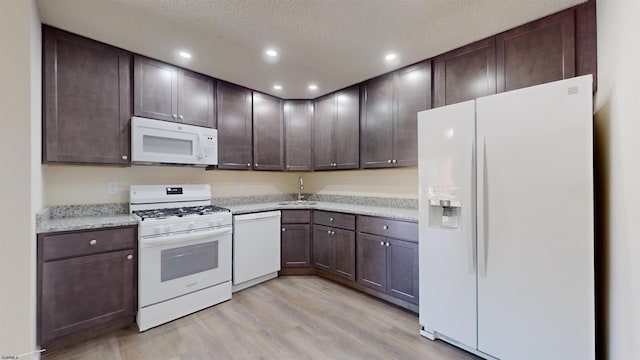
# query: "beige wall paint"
{"type": "Point", "coordinates": [618, 178]}
{"type": "Point", "coordinates": [69, 185]}
{"type": "Point", "coordinates": [20, 179]}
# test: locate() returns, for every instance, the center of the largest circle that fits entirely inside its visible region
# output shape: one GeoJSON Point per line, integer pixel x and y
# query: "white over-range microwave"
{"type": "Point", "coordinates": [164, 142]}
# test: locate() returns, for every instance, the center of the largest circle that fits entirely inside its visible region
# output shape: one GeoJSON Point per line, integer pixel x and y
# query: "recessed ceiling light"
{"type": "Point", "coordinates": [272, 52]}
{"type": "Point", "coordinates": [185, 54]}
{"type": "Point", "coordinates": [390, 57]}
{"type": "Point", "coordinates": [313, 87]}
{"type": "Point", "coordinates": [277, 87]}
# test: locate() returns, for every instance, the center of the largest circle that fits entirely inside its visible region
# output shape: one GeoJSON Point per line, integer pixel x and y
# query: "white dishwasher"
{"type": "Point", "coordinates": [256, 248]}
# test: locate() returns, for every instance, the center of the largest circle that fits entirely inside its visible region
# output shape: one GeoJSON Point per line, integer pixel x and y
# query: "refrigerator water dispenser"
{"type": "Point", "coordinates": [444, 207]}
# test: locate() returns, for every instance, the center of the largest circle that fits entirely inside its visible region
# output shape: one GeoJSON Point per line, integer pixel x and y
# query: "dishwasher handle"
{"type": "Point", "coordinates": [256, 216]}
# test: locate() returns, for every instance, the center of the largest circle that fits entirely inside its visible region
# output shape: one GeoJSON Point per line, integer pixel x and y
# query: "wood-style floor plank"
{"type": "Point", "coordinates": [293, 317]}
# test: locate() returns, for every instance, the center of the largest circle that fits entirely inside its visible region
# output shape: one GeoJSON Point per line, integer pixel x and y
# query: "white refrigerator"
{"type": "Point", "coordinates": [507, 224]}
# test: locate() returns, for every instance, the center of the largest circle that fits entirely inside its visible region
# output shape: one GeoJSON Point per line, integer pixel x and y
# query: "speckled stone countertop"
{"type": "Point", "coordinates": [400, 209]}
{"type": "Point", "coordinates": [83, 217]}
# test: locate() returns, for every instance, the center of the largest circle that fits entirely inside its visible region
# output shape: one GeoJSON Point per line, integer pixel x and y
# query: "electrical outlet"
{"type": "Point", "coordinates": [112, 188]}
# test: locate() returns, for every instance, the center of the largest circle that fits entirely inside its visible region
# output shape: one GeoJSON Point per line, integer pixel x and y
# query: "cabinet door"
{"type": "Point", "coordinates": [268, 135]}
{"type": "Point", "coordinates": [344, 243]}
{"type": "Point", "coordinates": [535, 53]}
{"type": "Point", "coordinates": [322, 248]}
{"type": "Point", "coordinates": [377, 123]}
{"type": "Point", "coordinates": [402, 270]}
{"type": "Point", "coordinates": [413, 94]}
{"type": "Point", "coordinates": [80, 293]}
{"type": "Point", "coordinates": [234, 126]}
{"type": "Point", "coordinates": [87, 101]}
{"type": "Point", "coordinates": [298, 116]}
{"type": "Point", "coordinates": [465, 73]}
{"type": "Point", "coordinates": [347, 129]}
{"type": "Point", "coordinates": [195, 99]}
{"type": "Point", "coordinates": [296, 246]}
{"type": "Point", "coordinates": [323, 138]}
{"type": "Point", "coordinates": [155, 89]}
{"type": "Point", "coordinates": [372, 262]}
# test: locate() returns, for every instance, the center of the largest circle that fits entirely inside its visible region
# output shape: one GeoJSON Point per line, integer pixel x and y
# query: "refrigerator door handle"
{"type": "Point", "coordinates": [473, 251]}
{"type": "Point", "coordinates": [482, 208]}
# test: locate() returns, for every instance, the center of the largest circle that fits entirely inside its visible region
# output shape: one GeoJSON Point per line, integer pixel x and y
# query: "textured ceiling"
{"type": "Point", "coordinates": [332, 43]}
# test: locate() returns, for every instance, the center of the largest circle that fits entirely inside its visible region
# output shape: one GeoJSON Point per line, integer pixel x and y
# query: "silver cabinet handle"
{"type": "Point", "coordinates": [387, 244]}
{"type": "Point", "coordinates": [256, 164]}
{"type": "Point", "coordinates": [129, 257]}
{"type": "Point", "coordinates": [93, 242]}
{"type": "Point", "coordinates": [394, 161]}
{"type": "Point", "coordinates": [329, 232]}
{"type": "Point", "coordinates": [248, 164]}
{"type": "Point", "coordinates": [181, 117]}
{"type": "Point", "coordinates": [381, 243]}
{"type": "Point", "coordinates": [333, 233]}
{"type": "Point", "coordinates": [283, 229]}
{"type": "Point", "coordinates": [388, 161]}
{"type": "Point", "coordinates": [124, 157]}
{"type": "Point", "coordinates": [331, 219]}
{"type": "Point", "coordinates": [385, 227]}
{"type": "Point", "coordinates": [288, 166]}
{"type": "Point", "coordinates": [175, 116]}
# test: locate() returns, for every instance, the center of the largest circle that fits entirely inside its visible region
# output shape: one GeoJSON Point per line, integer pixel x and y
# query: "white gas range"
{"type": "Point", "coordinates": [184, 257]}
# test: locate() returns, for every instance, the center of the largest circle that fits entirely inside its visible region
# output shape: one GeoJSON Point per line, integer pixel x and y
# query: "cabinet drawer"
{"type": "Point", "coordinates": [87, 242]}
{"type": "Point", "coordinates": [339, 220]}
{"type": "Point", "coordinates": [389, 228]}
{"type": "Point", "coordinates": [296, 216]}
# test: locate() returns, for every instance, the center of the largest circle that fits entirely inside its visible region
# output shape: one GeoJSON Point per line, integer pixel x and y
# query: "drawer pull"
{"type": "Point", "coordinates": [385, 227]}
{"type": "Point", "coordinates": [381, 243]}
{"type": "Point", "coordinates": [329, 232]}
{"type": "Point", "coordinates": [129, 257]}
{"type": "Point", "coordinates": [283, 230]}
{"type": "Point", "coordinates": [333, 233]}
{"type": "Point", "coordinates": [331, 219]}
{"type": "Point", "coordinates": [387, 244]}
{"type": "Point", "coordinates": [93, 242]}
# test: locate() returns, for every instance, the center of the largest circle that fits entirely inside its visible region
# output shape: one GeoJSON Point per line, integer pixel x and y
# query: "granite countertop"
{"type": "Point", "coordinates": [407, 214]}
{"type": "Point", "coordinates": [97, 216]}
{"type": "Point", "coordinates": [83, 217]}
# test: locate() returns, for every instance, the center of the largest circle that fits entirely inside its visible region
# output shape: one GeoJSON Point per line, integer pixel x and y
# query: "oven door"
{"type": "Point", "coordinates": [174, 265]}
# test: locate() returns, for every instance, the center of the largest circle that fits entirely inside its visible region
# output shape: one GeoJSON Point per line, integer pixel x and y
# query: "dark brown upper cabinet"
{"type": "Point", "coordinates": [336, 130]}
{"type": "Point", "coordinates": [389, 116]}
{"type": "Point", "coordinates": [298, 115]}
{"type": "Point", "coordinates": [166, 92]}
{"type": "Point", "coordinates": [87, 101]}
{"type": "Point", "coordinates": [465, 73]}
{"type": "Point", "coordinates": [268, 133]}
{"type": "Point", "coordinates": [538, 52]}
{"type": "Point", "coordinates": [234, 126]}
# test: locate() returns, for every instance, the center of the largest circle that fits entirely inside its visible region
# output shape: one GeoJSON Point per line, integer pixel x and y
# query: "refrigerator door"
{"type": "Point", "coordinates": [447, 227]}
{"type": "Point", "coordinates": [535, 222]}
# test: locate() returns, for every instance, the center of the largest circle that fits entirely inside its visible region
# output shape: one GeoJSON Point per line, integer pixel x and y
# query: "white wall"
{"type": "Point", "coordinates": [20, 178]}
{"type": "Point", "coordinates": [618, 168]}
{"type": "Point", "coordinates": [68, 185]}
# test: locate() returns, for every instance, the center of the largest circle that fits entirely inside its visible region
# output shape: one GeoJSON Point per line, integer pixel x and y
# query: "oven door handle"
{"type": "Point", "coordinates": [171, 239]}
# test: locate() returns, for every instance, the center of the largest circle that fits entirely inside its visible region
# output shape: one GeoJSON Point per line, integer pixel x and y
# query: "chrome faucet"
{"type": "Point", "coordinates": [300, 188]}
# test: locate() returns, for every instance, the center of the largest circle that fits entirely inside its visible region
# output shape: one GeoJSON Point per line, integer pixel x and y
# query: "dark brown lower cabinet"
{"type": "Point", "coordinates": [334, 251]}
{"type": "Point", "coordinates": [296, 246]}
{"type": "Point", "coordinates": [86, 281]}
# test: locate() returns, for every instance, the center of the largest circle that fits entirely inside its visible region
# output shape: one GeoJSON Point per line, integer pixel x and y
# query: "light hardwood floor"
{"type": "Point", "coordinates": [292, 317]}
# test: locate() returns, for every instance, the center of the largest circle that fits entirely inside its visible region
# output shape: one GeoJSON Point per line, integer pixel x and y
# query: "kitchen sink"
{"type": "Point", "coordinates": [297, 202]}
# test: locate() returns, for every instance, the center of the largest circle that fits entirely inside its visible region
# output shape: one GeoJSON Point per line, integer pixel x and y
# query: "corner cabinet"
{"type": "Point", "coordinates": [268, 134]}
{"type": "Point", "coordinates": [166, 92]}
{"type": "Point", "coordinates": [86, 283]}
{"type": "Point", "coordinates": [86, 99]}
{"type": "Point", "coordinates": [298, 118]}
{"type": "Point", "coordinates": [336, 130]}
{"type": "Point", "coordinates": [234, 127]}
{"type": "Point", "coordinates": [389, 116]}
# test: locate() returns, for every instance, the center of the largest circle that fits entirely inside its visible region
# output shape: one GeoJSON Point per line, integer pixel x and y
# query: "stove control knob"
{"type": "Point", "coordinates": [156, 229]}
{"type": "Point", "coordinates": [168, 228]}
{"type": "Point", "coordinates": [212, 223]}
{"type": "Point", "coordinates": [192, 226]}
